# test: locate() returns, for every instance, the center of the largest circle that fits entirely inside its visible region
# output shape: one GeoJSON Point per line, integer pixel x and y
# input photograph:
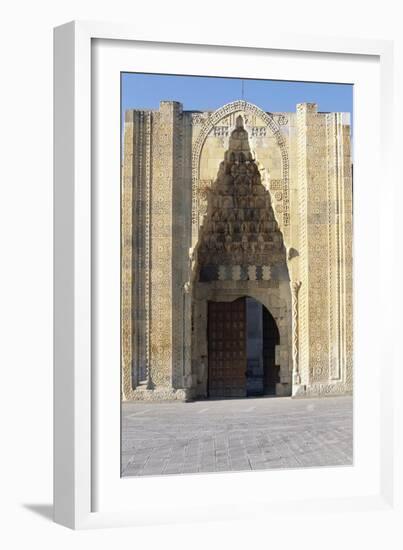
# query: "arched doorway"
{"type": "Point", "coordinates": [240, 253]}
{"type": "Point", "coordinates": [242, 340]}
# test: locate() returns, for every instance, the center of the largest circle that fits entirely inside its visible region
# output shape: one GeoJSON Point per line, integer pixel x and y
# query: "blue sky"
{"type": "Point", "coordinates": [145, 91]}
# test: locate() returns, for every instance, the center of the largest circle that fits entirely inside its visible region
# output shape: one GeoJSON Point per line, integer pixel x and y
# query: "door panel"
{"type": "Point", "coordinates": [227, 348]}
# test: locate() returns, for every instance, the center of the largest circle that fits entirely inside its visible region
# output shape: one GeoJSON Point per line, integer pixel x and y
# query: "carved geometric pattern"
{"type": "Point", "coordinates": [303, 244]}
{"type": "Point", "coordinates": [161, 248]}
{"type": "Point", "coordinates": [221, 131]}
{"type": "Point", "coordinates": [198, 119]}
{"type": "Point", "coordinates": [147, 244]}
{"type": "Point", "coordinates": [126, 264]}
{"type": "Point", "coordinates": [318, 253]}
{"type": "Point", "coordinates": [276, 185]}
{"type": "Point", "coordinates": [258, 131]}
{"type": "Point", "coordinates": [135, 251]}
{"type": "Point", "coordinates": [178, 237]}
{"type": "Point", "coordinates": [211, 272]}
{"type": "Point", "coordinates": [255, 131]}
{"type": "Point", "coordinates": [141, 226]}
{"type": "Point", "coordinates": [334, 261]}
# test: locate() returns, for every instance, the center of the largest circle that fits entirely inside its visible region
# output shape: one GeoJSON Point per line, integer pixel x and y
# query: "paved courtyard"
{"type": "Point", "coordinates": [236, 434]}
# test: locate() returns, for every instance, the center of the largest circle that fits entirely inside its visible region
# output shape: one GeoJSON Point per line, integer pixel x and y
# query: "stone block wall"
{"type": "Point", "coordinates": [325, 249]}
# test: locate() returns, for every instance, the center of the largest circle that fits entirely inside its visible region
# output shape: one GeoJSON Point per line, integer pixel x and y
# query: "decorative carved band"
{"type": "Point", "coordinates": [147, 245]}
{"type": "Point", "coordinates": [126, 264]}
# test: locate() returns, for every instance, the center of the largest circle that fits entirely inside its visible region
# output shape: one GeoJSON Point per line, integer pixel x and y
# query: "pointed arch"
{"type": "Point", "coordinates": [213, 119]}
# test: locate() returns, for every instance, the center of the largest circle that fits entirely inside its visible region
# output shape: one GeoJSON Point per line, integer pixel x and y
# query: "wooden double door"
{"type": "Point", "coordinates": [227, 349]}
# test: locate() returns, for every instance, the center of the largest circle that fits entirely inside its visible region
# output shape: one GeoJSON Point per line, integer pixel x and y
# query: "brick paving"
{"type": "Point", "coordinates": [236, 434]}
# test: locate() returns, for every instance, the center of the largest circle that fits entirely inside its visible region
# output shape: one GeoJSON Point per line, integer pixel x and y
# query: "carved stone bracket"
{"type": "Point", "coordinates": [187, 287]}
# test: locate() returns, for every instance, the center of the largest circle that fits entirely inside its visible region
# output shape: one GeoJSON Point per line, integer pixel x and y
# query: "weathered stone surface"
{"type": "Point", "coordinates": [296, 202]}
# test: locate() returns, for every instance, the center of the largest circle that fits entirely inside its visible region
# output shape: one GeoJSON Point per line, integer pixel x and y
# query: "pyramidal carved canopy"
{"type": "Point", "coordinates": [240, 238]}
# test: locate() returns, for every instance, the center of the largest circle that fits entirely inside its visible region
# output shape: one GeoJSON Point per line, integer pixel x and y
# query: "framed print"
{"type": "Point", "coordinates": [218, 238]}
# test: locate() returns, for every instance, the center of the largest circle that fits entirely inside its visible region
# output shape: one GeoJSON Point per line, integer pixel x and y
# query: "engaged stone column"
{"type": "Point", "coordinates": [135, 250]}
{"type": "Point", "coordinates": [295, 286]}
{"type": "Point", "coordinates": [161, 247]}
{"type": "Point", "coordinates": [166, 337]}
{"type": "Point", "coordinates": [127, 301]}
{"type": "Point", "coordinates": [312, 157]}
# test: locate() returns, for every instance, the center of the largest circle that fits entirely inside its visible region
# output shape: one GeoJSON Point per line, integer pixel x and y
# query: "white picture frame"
{"type": "Point", "coordinates": [87, 492]}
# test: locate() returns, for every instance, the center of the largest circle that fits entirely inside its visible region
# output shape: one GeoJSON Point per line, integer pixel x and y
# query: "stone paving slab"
{"type": "Point", "coordinates": [235, 435]}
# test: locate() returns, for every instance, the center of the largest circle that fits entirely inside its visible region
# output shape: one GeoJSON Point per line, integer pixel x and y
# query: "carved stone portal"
{"type": "Point", "coordinates": [226, 204]}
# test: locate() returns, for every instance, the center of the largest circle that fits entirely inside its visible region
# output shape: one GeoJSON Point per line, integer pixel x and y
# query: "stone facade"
{"type": "Point", "coordinates": [221, 205]}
